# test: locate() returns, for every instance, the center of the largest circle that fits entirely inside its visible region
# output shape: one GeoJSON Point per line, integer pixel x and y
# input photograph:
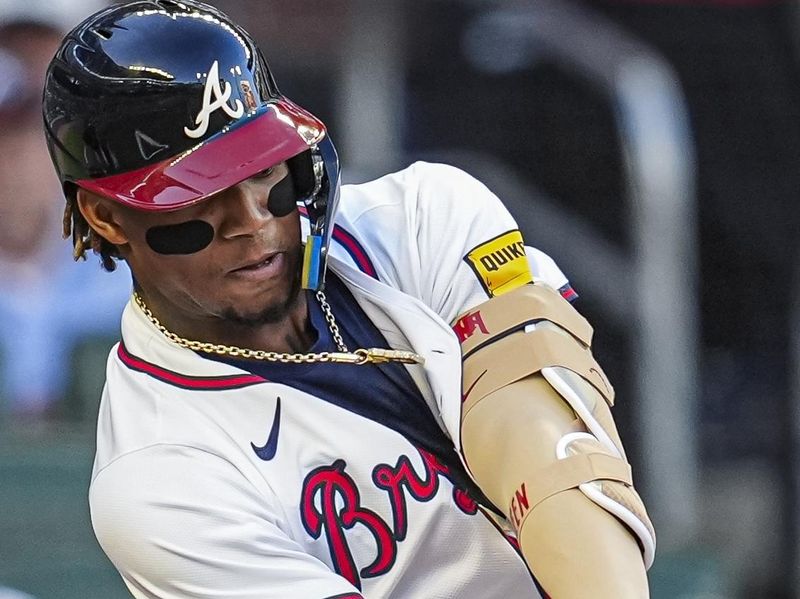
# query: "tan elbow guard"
{"type": "Point", "coordinates": [536, 419]}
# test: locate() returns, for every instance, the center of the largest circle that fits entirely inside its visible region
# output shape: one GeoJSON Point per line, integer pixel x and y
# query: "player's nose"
{"type": "Point", "coordinates": [245, 209]}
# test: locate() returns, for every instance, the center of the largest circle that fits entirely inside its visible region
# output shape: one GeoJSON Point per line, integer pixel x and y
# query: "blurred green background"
{"type": "Point", "coordinates": [46, 542]}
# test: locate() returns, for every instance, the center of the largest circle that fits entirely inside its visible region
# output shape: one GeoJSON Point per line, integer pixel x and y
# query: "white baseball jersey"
{"type": "Point", "coordinates": [212, 481]}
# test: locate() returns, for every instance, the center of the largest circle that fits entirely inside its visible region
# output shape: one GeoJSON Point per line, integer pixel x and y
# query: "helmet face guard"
{"type": "Point", "coordinates": [159, 104]}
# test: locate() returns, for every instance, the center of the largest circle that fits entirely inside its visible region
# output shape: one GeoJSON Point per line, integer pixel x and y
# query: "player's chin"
{"type": "Point", "coordinates": [253, 305]}
{"type": "Point", "coordinates": [268, 311]}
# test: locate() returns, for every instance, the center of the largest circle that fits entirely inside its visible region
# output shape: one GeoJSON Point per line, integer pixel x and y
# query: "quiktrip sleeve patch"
{"type": "Point", "coordinates": [500, 263]}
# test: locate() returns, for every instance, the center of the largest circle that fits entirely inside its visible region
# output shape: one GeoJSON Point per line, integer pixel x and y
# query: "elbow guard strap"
{"type": "Point", "coordinates": [530, 345]}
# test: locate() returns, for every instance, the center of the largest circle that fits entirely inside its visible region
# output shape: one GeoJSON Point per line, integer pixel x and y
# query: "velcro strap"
{"type": "Point", "coordinates": [561, 475]}
{"type": "Point", "coordinates": [521, 354]}
{"type": "Point", "coordinates": [515, 309]}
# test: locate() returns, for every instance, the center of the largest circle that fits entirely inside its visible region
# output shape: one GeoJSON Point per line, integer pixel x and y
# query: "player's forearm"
{"type": "Point", "coordinates": [576, 549]}
{"type": "Point", "coordinates": [540, 441]}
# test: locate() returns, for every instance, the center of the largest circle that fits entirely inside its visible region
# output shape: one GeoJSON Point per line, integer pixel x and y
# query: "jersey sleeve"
{"type": "Point", "coordinates": [470, 245]}
{"type": "Point", "coordinates": [181, 523]}
{"type": "Point", "coordinates": [450, 242]}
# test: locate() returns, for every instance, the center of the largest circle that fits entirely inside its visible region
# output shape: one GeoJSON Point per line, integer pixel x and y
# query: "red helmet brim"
{"type": "Point", "coordinates": [282, 131]}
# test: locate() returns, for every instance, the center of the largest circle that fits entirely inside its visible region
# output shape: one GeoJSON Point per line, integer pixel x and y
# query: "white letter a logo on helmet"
{"type": "Point", "coordinates": [220, 100]}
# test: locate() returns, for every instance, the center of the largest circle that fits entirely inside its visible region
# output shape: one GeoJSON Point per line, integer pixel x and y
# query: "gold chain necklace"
{"type": "Point", "coordinates": [373, 355]}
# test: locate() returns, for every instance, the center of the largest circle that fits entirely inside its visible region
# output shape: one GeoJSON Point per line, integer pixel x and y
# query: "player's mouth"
{"type": "Point", "coordinates": [264, 267]}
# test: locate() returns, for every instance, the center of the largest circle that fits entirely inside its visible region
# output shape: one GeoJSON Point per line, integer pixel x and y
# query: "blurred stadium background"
{"type": "Point", "coordinates": [651, 147]}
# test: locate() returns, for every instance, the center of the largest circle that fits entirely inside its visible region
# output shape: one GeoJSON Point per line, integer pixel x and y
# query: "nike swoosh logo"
{"type": "Point", "coordinates": [472, 386]}
{"type": "Point", "coordinates": [267, 452]}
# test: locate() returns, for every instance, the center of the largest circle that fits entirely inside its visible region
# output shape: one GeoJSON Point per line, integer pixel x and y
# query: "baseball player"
{"type": "Point", "coordinates": [379, 395]}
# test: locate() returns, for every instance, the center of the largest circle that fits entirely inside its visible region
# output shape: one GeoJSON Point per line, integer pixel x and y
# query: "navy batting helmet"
{"type": "Point", "coordinates": [158, 104]}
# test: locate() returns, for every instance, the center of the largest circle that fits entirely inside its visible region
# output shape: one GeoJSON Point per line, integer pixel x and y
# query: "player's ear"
{"type": "Point", "coordinates": [102, 215]}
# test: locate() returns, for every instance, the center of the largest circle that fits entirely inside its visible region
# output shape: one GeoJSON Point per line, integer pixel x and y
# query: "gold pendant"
{"type": "Point", "coordinates": [377, 355]}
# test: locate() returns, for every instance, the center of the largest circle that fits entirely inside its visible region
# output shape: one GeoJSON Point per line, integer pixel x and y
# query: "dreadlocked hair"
{"type": "Point", "coordinates": [84, 237]}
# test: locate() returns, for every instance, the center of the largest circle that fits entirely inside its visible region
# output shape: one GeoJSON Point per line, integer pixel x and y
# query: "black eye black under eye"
{"type": "Point", "coordinates": [180, 239]}
{"type": "Point", "coordinates": [193, 236]}
{"type": "Point", "coordinates": [282, 197]}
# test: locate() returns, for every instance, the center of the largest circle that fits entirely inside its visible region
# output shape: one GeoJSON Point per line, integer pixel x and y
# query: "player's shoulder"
{"type": "Point", "coordinates": [421, 170]}
{"type": "Point", "coordinates": [418, 177]}
{"type": "Point", "coordinates": [419, 186]}
{"type": "Point", "coordinates": [441, 175]}
{"type": "Point", "coordinates": [438, 173]}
